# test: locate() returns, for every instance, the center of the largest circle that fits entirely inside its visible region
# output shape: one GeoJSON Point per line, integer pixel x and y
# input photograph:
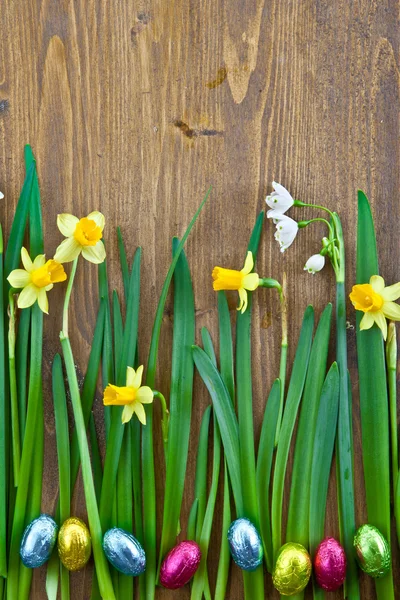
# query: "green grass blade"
{"type": "Point", "coordinates": [118, 332]}
{"type": "Point", "coordinates": [226, 346]}
{"type": "Point", "coordinates": [96, 458]}
{"type": "Point", "coordinates": [373, 397]}
{"type": "Point", "coordinates": [21, 359]}
{"type": "Point", "coordinates": [192, 520]}
{"type": "Point", "coordinates": [224, 553]}
{"type": "Point", "coordinates": [180, 401]}
{"type": "Point", "coordinates": [124, 264]}
{"type": "Point", "coordinates": [201, 577]}
{"type": "Point", "coordinates": [200, 482]}
{"type": "Point", "coordinates": [293, 398]}
{"type": "Point", "coordinates": [107, 354]}
{"type": "Point", "coordinates": [125, 505]}
{"type": "Point", "coordinates": [208, 345]}
{"type": "Point", "coordinates": [298, 526]}
{"type": "Point", "coordinates": [149, 485]}
{"type": "Point", "coordinates": [391, 364]}
{"type": "Point", "coordinates": [4, 428]}
{"type": "Point", "coordinates": [324, 442]}
{"type": "Point", "coordinates": [226, 417]}
{"type": "Point", "coordinates": [264, 467]}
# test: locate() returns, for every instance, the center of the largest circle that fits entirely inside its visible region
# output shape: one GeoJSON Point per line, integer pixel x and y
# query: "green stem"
{"type": "Point", "coordinates": [102, 571]}
{"type": "Point", "coordinates": [391, 362]}
{"type": "Point", "coordinates": [317, 206]}
{"type": "Point", "coordinates": [16, 444]}
{"type": "Point", "coordinates": [164, 418]}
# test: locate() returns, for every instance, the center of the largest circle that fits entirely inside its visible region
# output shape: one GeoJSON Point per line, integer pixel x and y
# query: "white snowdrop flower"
{"type": "Point", "coordinates": [315, 263]}
{"type": "Point", "coordinates": [1, 195]}
{"type": "Point", "coordinates": [279, 201]}
{"type": "Point", "coordinates": [286, 231]}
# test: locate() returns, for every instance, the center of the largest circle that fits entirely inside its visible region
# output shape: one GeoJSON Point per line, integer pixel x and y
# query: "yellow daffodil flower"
{"type": "Point", "coordinates": [376, 301]}
{"type": "Point", "coordinates": [228, 279]}
{"type": "Point", "coordinates": [83, 235]}
{"type": "Point", "coordinates": [132, 396]}
{"type": "Point", "coordinates": [36, 279]}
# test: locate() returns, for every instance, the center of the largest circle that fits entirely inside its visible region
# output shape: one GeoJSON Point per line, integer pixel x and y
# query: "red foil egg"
{"type": "Point", "coordinates": [330, 565]}
{"type": "Point", "coordinates": [180, 564]}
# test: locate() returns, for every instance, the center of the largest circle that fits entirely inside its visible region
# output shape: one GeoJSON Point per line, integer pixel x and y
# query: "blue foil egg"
{"type": "Point", "coordinates": [38, 541]}
{"type": "Point", "coordinates": [124, 552]}
{"type": "Point", "coordinates": [245, 544]}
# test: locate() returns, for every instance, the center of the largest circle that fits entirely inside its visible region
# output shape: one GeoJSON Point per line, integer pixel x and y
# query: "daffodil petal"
{"type": "Point", "coordinates": [28, 296]}
{"type": "Point", "coordinates": [367, 321]}
{"type": "Point", "coordinates": [49, 287]}
{"type": "Point", "coordinates": [94, 254]}
{"type": "Point", "coordinates": [19, 278]}
{"type": "Point", "coordinates": [145, 395]}
{"type": "Point", "coordinates": [380, 320]}
{"type": "Point", "coordinates": [243, 300]}
{"type": "Point", "coordinates": [392, 292]}
{"type": "Point", "coordinates": [67, 223]}
{"type": "Point", "coordinates": [140, 412]}
{"type": "Point", "coordinates": [391, 310]}
{"type": "Point", "coordinates": [251, 281]}
{"type": "Point", "coordinates": [67, 251]}
{"type": "Point", "coordinates": [39, 261]}
{"type": "Point", "coordinates": [98, 218]}
{"type": "Point", "coordinates": [248, 263]}
{"type": "Point", "coordinates": [127, 413]}
{"type": "Point", "coordinates": [378, 283]}
{"type": "Point", "coordinates": [137, 379]}
{"type": "Point", "coordinates": [43, 301]}
{"type": "Point", "coordinates": [26, 260]}
{"type": "Point", "coordinates": [130, 376]}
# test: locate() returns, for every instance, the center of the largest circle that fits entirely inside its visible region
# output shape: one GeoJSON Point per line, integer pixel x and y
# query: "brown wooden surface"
{"type": "Point", "coordinates": [136, 107]}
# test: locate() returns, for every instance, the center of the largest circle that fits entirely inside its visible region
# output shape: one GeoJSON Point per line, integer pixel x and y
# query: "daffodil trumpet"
{"type": "Point", "coordinates": [16, 443]}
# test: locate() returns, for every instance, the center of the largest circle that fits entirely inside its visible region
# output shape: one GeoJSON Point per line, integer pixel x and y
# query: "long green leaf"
{"type": "Point", "coordinates": [264, 467]}
{"type": "Point", "coordinates": [323, 445]}
{"type": "Point", "coordinates": [180, 401]}
{"type": "Point", "coordinates": [373, 397]}
{"type": "Point", "coordinates": [149, 484]}
{"type": "Point", "coordinates": [293, 398]}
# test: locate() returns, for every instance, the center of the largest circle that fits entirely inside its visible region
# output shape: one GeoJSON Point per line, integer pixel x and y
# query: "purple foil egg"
{"type": "Point", "coordinates": [180, 564]}
{"type": "Point", "coordinates": [330, 565]}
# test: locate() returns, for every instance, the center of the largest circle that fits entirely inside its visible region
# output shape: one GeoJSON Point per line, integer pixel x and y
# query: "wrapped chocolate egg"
{"type": "Point", "coordinates": [330, 565]}
{"type": "Point", "coordinates": [245, 544]}
{"type": "Point", "coordinates": [180, 564]}
{"type": "Point", "coordinates": [74, 544]}
{"type": "Point", "coordinates": [124, 552]}
{"type": "Point", "coordinates": [38, 541]}
{"type": "Point", "coordinates": [292, 569]}
{"type": "Point", "coordinates": [372, 550]}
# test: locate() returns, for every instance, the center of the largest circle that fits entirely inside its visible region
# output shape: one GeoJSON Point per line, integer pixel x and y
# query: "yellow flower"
{"type": "Point", "coordinates": [83, 235]}
{"type": "Point", "coordinates": [376, 301]}
{"type": "Point", "coordinates": [228, 279]}
{"type": "Point", "coordinates": [36, 279]}
{"type": "Point", "coordinates": [132, 396]}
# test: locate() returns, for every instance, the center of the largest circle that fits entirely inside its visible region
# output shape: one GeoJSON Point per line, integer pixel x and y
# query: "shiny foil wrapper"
{"type": "Point", "coordinates": [180, 564]}
{"type": "Point", "coordinates": [245, 544]}
{"type": "Point", "coordinates": [330, 565]}
{"type": "Point", "coordinates": [38, 541]}
{"type": "Point", "coordinates": [74, 544]}
{"type": "Point", "coordinates": [372, 550]}
{"type": "Point", "coordinates": [292, 569]}
{"type": "Point", "coordinates": [124, 552]}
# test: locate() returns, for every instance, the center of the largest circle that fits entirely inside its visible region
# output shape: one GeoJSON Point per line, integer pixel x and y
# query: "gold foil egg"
{"type": "Point", "coordinates": [292, 569]}
{"type": "Point", "coordinates": [74, 544]}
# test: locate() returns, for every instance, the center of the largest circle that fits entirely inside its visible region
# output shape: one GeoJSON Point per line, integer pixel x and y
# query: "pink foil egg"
{"type": "Point", "coordinates": [180, 564]}
{"type": "Point", "coordinates": [330, 565]}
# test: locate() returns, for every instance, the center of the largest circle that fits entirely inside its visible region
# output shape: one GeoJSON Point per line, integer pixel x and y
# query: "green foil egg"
{"type": "Point", "coordinates": [372, 550]}
{"type": "Point", "coordinates": [292, 569]}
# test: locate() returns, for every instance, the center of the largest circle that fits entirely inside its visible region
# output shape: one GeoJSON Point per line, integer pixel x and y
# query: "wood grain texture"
{"type": "Point", "coordinates": [135, 107]}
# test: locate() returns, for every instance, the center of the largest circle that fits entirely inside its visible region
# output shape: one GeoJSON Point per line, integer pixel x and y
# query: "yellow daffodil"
{"type": "Point", "coordinates": [228, 279]}
{"type": "Point", "coordinates": [132, 396]}
{"type": "Point", "coordinates": [376, 301]}
{"type": "Point", "coordinates": [35, 280]}
{"type": "Point", "coordinates": [83, 235]}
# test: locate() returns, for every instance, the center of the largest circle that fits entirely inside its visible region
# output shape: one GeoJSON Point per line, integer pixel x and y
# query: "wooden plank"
{"type": "Point", "coordinates": [135, 107]}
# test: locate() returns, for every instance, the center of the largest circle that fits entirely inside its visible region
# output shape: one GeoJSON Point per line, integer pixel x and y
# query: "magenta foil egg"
{"type": "Point", "coordinates": [330, 565]}
{"type": "Point", "coordinates": [180, 564]}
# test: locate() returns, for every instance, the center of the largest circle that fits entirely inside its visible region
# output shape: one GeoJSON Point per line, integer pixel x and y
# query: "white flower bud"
{"type": "Point", "coordinates": [315, 263]}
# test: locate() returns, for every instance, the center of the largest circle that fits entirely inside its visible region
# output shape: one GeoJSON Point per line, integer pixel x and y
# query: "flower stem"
{"type": "Point", "coordinates": [16, 444]}
{"type": "Point", "coordinates": [164, 419]}
{"type": "Point", "coordinates": [317, 206]}
{"type": "Point", "coordinates": [102, 571]}
{"type": "Point", "coordinates": [391, 363]}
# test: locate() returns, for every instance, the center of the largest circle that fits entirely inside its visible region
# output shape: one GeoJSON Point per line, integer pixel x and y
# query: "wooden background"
{"type": "Point", "coordinates": [134, 107]}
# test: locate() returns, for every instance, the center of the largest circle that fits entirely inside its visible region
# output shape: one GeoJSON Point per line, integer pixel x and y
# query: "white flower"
{"type": "Point", "coordinates": [279, 201]}
{"type": "Point", "coordinates": [286, 231]}
{"type": "Point", "coordinates": [1, 196]}
{"type": "Point", "coordinates": [315, 263]}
